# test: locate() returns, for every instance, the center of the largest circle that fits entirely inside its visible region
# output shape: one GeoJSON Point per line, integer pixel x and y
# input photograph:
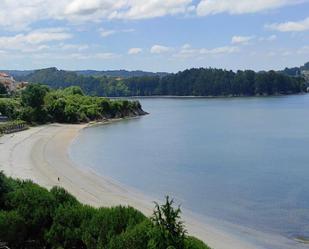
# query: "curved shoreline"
{"type": "Point", "coordinates": [41, 155]}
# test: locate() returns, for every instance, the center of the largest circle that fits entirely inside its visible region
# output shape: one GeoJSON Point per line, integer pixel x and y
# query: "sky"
{"type": "Point", "coordinates": [153, 35]}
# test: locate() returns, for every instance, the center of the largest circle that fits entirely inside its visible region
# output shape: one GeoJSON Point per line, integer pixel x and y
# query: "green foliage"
{"type": "Point", "coordinates": [33, 217]}
{"type": "Point", "coordinates": [34, 95]}
{"type": "Point", "coordinates": [39, 104]}
{"type": "Point", "coordinates": [62, 197]}
{"type": "Point", "coordinates": [10, 107]}
{"type": "Point", "coordinates": [66, 230]}
{"type": "Point", "coordinates": [135, 238]}
{"type": "Point", "coordinates": [169, 230]}
{"type": "Point", "coordinates": [32, 101]}
{"type": "Point", "coordinates": [35, 205]}
{"type": "Point", "coordinates": [73, 90]}
{"type": "Point", "coordinates": [4, 189]}
{"type": "Point", "coordinates": [194, 243]}
{"type": "Point", "coordinates": [13, 228]}
{"type": "Point", "coordinates": [3, 89]}
{"type": "Point", "coordinates": [12, 126]}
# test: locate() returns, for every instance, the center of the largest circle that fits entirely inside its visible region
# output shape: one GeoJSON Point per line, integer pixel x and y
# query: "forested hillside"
{"type": "Point", "coordinates": [95, 73]}
{"type": "Point", "coordinates": [191, 82]}
{"type": "Point", "coordinates": [119, 73]}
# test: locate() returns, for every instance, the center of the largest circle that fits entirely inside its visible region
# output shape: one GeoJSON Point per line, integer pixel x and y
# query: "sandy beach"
{"type": "Point", "coordinates": [41, 154]}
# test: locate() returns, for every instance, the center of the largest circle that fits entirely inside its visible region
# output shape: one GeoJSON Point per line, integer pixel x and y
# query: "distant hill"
{"type": "Point", "coordinates": [17, 73]}
{"type": "Point", "coordinates": [119, 73]}
{"type": "Point", "coordinates": [191, 82]}
{"type": "Point", "coordinates": [296, 71]}
{"type": "Point", "coordinates": [302, 71]}
{"type": "Point", "coordinates": [95, 73]}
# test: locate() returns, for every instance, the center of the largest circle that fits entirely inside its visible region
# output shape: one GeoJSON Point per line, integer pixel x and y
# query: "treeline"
{"type": "Point", "coordinates": [295, 71]}
{"type": "Point", "coordinates": [119, 73]}
{"type": "Point", "coordinates": [195, 82]}
{"type": "Point", "coordinates": [33, 217]}
{"type": "Point", "coordinates": [40, 104]}
{"type": "Point", "coordinates": [217, 82]}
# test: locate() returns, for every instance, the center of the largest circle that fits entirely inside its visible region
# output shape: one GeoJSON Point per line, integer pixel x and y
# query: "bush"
{"type": "Point", "coordinates": [62, 197]}
{"type": "Point", "coordinates": [12, 126]}
{"type": "Point", "coordinates": [66, 230]}
{"type": "Point", "coordinates": [12, 229]}
{"type": "Point", "coordinates": [34, 95]}
{"type": "Point", "coordinates": [109, 222]}
{"type": "Point", "coordinates": [33, 217]}
{"type": "Point", "coordinates": [35, 205]}
{"type": "Point", "coordinates": [135, 238]}
{"type": "Point", "coordinates": [194, 243]}
{"type": "Point", "coordinates": [9, 107]}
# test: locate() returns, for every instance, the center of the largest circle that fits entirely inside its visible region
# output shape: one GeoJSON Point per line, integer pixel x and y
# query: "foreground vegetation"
{"type": "Point", "coordinates": [33, 217]}
{"type": "Point", "coordinates": [12, 126]}
{"type": "Point", "coordinates": [195, 82]}
{"type": "Point", "coordinates": [40, 104]}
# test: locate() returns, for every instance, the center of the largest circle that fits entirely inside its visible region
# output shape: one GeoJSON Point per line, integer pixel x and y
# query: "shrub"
{"type": "Point", "coordinates": [12, 229]}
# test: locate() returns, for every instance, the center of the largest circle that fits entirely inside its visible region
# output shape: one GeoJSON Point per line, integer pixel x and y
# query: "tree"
{"type": "Point", "coordinates": [3, 89]}
{"type": "Point", "coordinates": [12, 229]}
{"type": "Point", "coordinates": [66, 231]}
{"type": "Point", "coordinates": [169, 230]}
{"type": "Point", "coordinates": [33, 95]}
{"type": "Point", "coordinates": [35, 205]}
{"type": "Point", "coordinates": [73, 90]}
{"type": "Point", "coordinates": [4, 189]}
{"type": "Point", "coordinates": [194, 243]}
{"type": "Point", "coordinates": [63, 197]}
{"type": "Point", "coordinates": [134, 238]}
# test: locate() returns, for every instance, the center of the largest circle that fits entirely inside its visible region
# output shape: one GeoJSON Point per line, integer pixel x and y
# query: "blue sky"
{"type": "Point", "coordinates": [154, 35]}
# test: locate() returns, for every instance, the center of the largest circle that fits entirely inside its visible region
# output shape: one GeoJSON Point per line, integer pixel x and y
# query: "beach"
{"type": "Point", "coordinates": [41, 155]}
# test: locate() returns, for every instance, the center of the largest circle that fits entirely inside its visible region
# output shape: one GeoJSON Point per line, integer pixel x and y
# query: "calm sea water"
{"type": "Point", "coordinates": [242, 160]}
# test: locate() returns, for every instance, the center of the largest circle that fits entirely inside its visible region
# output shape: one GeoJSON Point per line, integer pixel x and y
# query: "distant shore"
{"type": "Point", "coordinates": [41, 154]}
{"type": "Point", "coordinates": [205, 97]}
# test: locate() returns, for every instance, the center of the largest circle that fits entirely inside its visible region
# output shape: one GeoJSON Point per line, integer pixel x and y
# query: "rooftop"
{"type": "Point", "coordinates": [4, 75]}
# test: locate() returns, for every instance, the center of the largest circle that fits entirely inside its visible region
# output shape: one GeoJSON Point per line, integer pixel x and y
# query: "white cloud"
{"type": "Point", "coordinates": [47, 35]}
{"type": "Point", "coordinates": [19, 14]}
{"type": "Point", "coordinates": [34, 39]}
{"type": "Point", "coordinates": [78, 47]}
{"type": "Point", "coordinates": [299, 26]}
{"type": "Point", "coordinates": [303, 50]}
{"type": "Point", "coordinates": [186, 51]}
{"type": "Point", "coordinates": [241, 39]}
{"type": "Point", "coordinates": [132, 51]}
{"type": "Point", "coordinates": [159, 49]}
{"type": "Point", "coordinates": [268, 38]}
{"type": "Point", "coordinates": [82, 56]}
{"type": "Point", "coordinates": [106, 33]}
{"type": "Point", "coordinates": [109, 32]}
{"type": "Point", "coordinates": [141, 9]}
{"type": "Point", "coordinates": [106, 56]}
{"type": "Point", "coordinates": [220, 50]}
{"type": "Point", "coordinates": [212, 7]}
